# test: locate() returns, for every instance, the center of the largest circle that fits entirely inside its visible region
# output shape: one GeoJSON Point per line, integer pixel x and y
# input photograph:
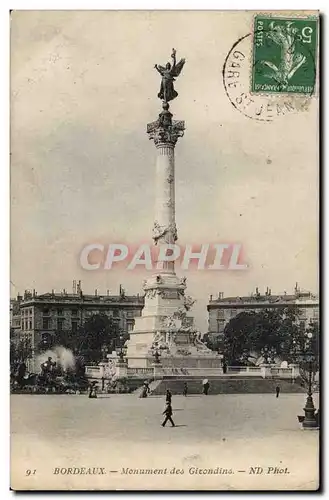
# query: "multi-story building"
{"type": "Point", "coordinates": [40, 316]}
{"type": "Point", "coordinates": [222, 309]}
{"type": "Point", "coordinates": [15, 318]}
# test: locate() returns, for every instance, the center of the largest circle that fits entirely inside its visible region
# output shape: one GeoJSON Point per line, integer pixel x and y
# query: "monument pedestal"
{"type": "Point", "coordinates": [165, 327]}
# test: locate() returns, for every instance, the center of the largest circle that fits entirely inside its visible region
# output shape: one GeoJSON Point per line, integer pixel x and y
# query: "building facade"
{"type": "Point", "coordinates": [222, 309]}
{"type": "Point", "coordinates": [37, 317]}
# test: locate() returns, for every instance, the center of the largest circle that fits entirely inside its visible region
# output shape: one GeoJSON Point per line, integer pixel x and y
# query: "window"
{"type": "Point", "coordinates": [220, 325]}
{"type": "Point", "coordinates": [60, 311]}
{"type": "Point", "coordinates": [74, 312]}
{"type": "Point", "coordinates": [45, 312]}
{"type": "Point", "coordinates": [31, 311]}
{"type": "Point", "coordinates": [60, 324]}
{"type": "Point", "coordinates": [30, 325]}
{"type": "Point", "coordinates": [74, 326]}
{"type": "Point", "coordinates": [46, 323]}
{"type": "Point", "coordinates": [116, 313]}
{"type": "Point", "coordinates": [130, 326]}
{"type": "Point", "coordinates": [45, 339]}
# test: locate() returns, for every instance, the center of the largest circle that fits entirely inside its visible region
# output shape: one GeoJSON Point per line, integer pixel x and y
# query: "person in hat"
{"type": "Point", "coordinates": [168, 396]}
{"type": "Point", "coordinates": [168, 412]}
{"type": "Point", "coordinates": [93, 390]}
{"type": "Point", "coordinates": [145, 390]}
{"type": "Point", "coordinates": [206, 386]}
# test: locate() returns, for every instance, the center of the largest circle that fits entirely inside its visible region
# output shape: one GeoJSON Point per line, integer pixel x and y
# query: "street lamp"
{"type": "Point", "coordinates": [310, 421]}
{"type": "Point", "coordinates": [122, 351]}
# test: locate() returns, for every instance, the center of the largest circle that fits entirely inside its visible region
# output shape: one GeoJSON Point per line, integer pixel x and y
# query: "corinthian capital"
{"type": "Point", "coordinates": [163, 134]}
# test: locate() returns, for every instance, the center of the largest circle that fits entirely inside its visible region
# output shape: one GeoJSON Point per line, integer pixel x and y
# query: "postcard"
{"type": "Point", "coordinates": [164, 310]}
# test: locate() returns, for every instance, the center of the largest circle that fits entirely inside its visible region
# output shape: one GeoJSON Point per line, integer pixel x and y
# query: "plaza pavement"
{"type": "Point", "coordinates": [122, 431]}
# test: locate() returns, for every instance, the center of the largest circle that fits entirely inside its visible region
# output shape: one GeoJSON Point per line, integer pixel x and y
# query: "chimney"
{"type": "Point", "coordinates": [95, 292]}
{"type": "Point", "coordinates": [74, 287]}
{"type": "Point", "coordinates": [107, 292]}
{"type": "Point", "coordinates": [210, 298]}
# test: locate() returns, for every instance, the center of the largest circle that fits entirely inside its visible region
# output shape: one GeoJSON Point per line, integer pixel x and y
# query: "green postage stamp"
{"type": "Point", "coordinates": [284, 55]}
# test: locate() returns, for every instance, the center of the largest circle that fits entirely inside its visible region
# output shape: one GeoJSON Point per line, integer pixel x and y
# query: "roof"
{"type": "Point", "coordinates": [71, 298]}
{"type": "Point", "coordinates": [254, 300]}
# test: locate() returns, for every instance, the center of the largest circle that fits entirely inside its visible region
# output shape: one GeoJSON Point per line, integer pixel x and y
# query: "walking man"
{"type": "Point", "coordinates": [168, 412]}
{"type": "Point", "coordinates": [185, 389]}
{"type": "Point", "coordinates": [277, 391]}
{"type": "Point", "coordinates": [168, 396]}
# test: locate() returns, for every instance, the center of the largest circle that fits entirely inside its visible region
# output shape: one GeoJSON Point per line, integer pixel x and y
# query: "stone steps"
{"type": "Point", "coordinates": [228, 386]}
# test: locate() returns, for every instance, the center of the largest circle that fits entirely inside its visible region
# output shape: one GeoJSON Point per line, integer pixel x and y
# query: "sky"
{"type": "Point", "coordinates": [83, 88]}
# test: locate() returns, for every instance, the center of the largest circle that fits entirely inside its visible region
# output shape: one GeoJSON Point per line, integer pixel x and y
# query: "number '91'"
{"type": "Point", "coordinates": [30, 472]}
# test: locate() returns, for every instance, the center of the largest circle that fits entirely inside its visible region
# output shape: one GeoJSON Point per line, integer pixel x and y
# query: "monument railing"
{"type": "Point", "coordinates": [250, 370]}
{"type": "Point", "coordinates": [140, 371]}
{"type": "Point", "coordinates": [160, 371]}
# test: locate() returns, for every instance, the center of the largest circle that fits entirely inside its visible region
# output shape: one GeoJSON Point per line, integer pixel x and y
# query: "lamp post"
{"type": "Point", "coordinates": [122, 352]}
{"type": "Point", "coordinates": [310, 421]}
{"type": "Point", "coordinates": [156, 362]}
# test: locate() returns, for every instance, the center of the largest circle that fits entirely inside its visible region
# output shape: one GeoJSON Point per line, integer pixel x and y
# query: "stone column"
{"type": "Point", "coordinates": [165, 133]}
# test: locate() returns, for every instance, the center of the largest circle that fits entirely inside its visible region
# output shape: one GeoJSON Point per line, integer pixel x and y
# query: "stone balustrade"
{"type": "Point", "coordinates": [158, 371]}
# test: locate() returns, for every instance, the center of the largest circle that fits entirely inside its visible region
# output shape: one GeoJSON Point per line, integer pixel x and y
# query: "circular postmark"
{"type": "Point", "coordinates": [237, 72]}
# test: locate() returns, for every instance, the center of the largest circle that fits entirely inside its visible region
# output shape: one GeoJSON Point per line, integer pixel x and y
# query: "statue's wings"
{"type": "Point", "coordinates": [160, 68]}
{"type": "Point", "coordinates": [178, 67]}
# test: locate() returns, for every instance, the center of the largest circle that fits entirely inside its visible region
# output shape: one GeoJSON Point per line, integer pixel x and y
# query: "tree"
{"type": "Point", "coordinates": [65, 338]}
{"type": "Point", "coordinates": [98, 334]}
{"type": "Point", "coordinates": [237, 337]}
{"type": "Point", "coordinates": [270, 333]}
{"type": "Point", "coordinates": [20, 352]}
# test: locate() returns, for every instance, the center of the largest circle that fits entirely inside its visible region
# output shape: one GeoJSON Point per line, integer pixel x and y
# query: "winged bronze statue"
{"type": "Point", "coordinates": [169, 72]}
